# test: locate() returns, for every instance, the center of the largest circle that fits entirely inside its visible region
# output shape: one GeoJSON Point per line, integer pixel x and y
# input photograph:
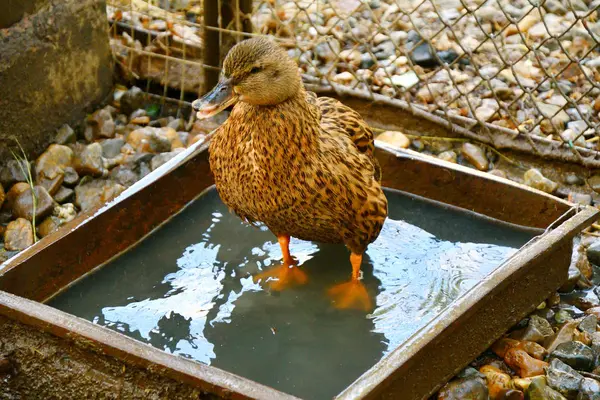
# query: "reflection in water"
{"type": "Point", "coordinates": [188, 289]}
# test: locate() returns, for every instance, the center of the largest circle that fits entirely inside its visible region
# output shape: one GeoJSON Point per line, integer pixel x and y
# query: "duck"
{"type": "Point", "coordinates": [302, 165]}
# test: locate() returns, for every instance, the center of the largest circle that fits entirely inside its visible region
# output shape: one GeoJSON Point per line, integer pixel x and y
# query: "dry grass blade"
{"type": "Point", "coordinates": [25, 161]}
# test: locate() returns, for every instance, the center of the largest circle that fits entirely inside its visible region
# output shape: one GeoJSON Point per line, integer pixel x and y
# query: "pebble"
{"type": "Point", "coordinates": [65, 212]}
{"type": "Point", "coordinates": [594, 182]}
{"type": "Point", "coordinates": [344, 77]}
{"type": "Point", "coordinates": [524, 383]}
{"type": "Point", "coordinates": [53, 161]}
{"type": "Point", "coordinates": [112, 147]}
{"type": "Point", "coordinates": [472, 388]}
{"type": "Point", "coordinates": [575, 354]}
{"type": "Point", "coordinates": [578, 126]}
{"type": "Point", "coordinates": [539, 390]}
{"type": "Point", "coordinates": [593, 311]}
{"type": "Point", "coordinates": [162, 158]}
{"type": "Point", "coordinates": [177, 124]}
{"type": "Point", "coordinates": [580, 198]}
{"type": "Point", "coordinates": [18, 235]}
{"type": "Point", "coordinates": [23, 204]}
{"type": "Point", "coordinates": [124, 175]}
{"type": "Point", "coordinates": [133, 99]}
{"type": "Point", "coordinates": [523, 364]}
{"type": "Point", "coordinates": [51, 185]}
{"type": "Point", "coordinates": [64, 195]}
{"type": "Point", "coordinates": [546, 313]}
{"type": "Point", "coordinates": [535, 350]}
{"type": "Point", "coordinates": [173, 137]}
{"type": "Point", "coordinates": [538, 330]}
{"type": "Point", "coordinates": [71, 177]}
{"type": "Point", "coordinates": [475, 155]}
{"type": "Point", "coordinates": [593, 252]}
{"type": "Point", "coordinates": [487, 110]}
{"type": "Point", "coordinates": [150, 140]}
{"type": "Point", "coordinates": [582, 337]}
{"type": "Point", "coordinates": [555, 7]}
{"type": "Point", "coordinates": [12, 172]}
{"type": "Point", "coordinates": [589, 389]}
{"type": "Point", "coordinates": [95, 193]}
{"type": "Point", "coordinates": [449, 156]}
{"type": "Point", "coordinates": [394, 138]}
{"type": "Point", "coordinates": [88, 160]}
{"type": "Point", "coordinates": [510, 394]}
{"type": "Point", "coordinates": [14, 192]}
{"type": "Point", "coordinates": [49, 225]}
{"type": "Point", "coordinates": [439, 146]}
{"type": "Point", "coordinates": [102, 124]}
{"type": "Point", "coordinates": [580, 258]}
{"type": "Point", "coordinates": [143, 120]}
{"type": "Point", "coordinates": [423, 55]}
{"type": "Point", "coordinates": [328, 50]}
{"type": "Point", "coordinates": [448, 56]}
{"type": "Point", "coordinates": [406, 80]}
{"type": "Point", "coordinates": [562, 316]}
{"type": "Point", "coordinates": [563, 378]}
{"type": "Point", "coordinates": [428, 92]}
{"type": "Point", "coordinates": [582, 299]}
{"type": "Point", "coordinates": [65, 135]}
{"type": "Point", "coordinates": [204, 126]}
{"type": "Point", "coordinates": [570, 136]}
{"type": "Point", "coordinates": [184, 137]}
{"type": "Point", "coordinates": [497, 381]}
{"type": "Point", "coordinates": [588, 324]}
{"type": "Point", "coordinates": [536, 180]}
{"type": "Point", "coordinates": [353, 57]}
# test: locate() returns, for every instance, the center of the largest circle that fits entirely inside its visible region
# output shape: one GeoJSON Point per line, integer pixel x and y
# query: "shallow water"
{"type": "Point", "coordinates": [188, 289]}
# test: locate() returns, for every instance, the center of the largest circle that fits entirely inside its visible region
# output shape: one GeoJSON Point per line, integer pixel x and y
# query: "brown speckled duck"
{"type": "Point", "coordinates": [302, 165]}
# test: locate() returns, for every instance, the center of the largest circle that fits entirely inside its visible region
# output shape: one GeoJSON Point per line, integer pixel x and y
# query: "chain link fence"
{"type": "Point", "coordinates": [519, 74]}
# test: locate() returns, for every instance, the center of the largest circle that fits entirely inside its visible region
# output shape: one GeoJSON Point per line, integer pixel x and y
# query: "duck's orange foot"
{"type": "Point", "coordinates": [282, 277]}
{"type": "Point", "coordinates": [351, 294]}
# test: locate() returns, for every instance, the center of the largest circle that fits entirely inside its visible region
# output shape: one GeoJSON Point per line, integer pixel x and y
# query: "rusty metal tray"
{"type": "Point", "coordinates": [57, 354]}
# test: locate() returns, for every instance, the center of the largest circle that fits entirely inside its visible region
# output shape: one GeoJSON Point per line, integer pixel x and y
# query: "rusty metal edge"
{"type": "Point", "coordinates": [124, 348]}
{"type": "Point", "coordinates": [379, 376]}
{"type": "Point", "coordinates": [398, 152]}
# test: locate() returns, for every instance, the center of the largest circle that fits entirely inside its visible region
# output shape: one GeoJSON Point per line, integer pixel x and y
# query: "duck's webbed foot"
{"type": "Point", "coordinates": [352, 294]}
{"type": "Point", "coordinates": [287, 274]}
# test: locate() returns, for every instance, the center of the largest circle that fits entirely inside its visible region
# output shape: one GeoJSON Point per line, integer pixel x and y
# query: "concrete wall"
{"type": "Point", "coordinates": [55, 64]}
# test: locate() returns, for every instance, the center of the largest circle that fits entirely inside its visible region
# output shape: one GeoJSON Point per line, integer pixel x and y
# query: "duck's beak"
{"type": "Point", "coordinates": [215, 101]}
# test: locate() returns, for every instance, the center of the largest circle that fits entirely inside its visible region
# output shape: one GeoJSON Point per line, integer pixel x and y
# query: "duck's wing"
{"type": "Point", "coordinates": [337, 118]}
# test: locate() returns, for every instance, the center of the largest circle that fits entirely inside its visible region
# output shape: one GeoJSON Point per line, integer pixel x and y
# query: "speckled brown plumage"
{"type": "Point", "coordinates": [302, 165]}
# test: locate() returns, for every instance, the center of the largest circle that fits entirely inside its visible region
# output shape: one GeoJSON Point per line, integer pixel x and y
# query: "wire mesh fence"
{"type": "Point", "coordinates": [514, 74]}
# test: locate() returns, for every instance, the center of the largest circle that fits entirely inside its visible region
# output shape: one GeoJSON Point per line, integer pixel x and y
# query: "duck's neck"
{"type": "Point", "coordinates": [292, 125]}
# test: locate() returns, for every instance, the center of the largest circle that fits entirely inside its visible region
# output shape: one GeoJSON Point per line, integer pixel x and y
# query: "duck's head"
{"type": "Point", "coordinates": [256, 71]}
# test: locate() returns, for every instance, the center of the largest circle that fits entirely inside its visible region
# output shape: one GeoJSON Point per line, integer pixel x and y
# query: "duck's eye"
{"type": "Point", "coordinates": [254, 70]}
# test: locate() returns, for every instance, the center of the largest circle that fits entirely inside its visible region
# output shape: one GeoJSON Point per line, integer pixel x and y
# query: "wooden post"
{"type": "Point", "coordinates": [211, 43]}
{"type": "Point", "coordinates": [232, 15]}
{"type": "Point", "coordinates": [245, 14]}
